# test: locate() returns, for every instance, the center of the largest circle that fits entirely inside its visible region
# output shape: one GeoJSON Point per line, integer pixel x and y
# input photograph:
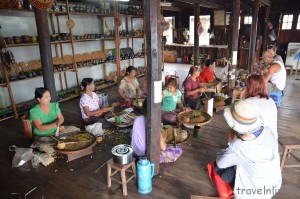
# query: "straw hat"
{"type": "Point", "coordinates": [243, 117]}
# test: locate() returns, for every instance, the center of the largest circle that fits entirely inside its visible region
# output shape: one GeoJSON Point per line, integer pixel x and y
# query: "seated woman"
{"type": "Point", "coordinates": [138, 140]}
{"type": "Point", "coordinates": [192, 89]}
{"type": "Point", "coordinates": [252, 157]}
{"type": "Point", "coordinates": [207, 74]}
{"type": "Point", "coordinates": [46, 116]}
{"type": "Point", "coordinates": [171, 97]}
{"type": "Point", "coordinates": [129, 87]}
{"type": "Point", "coordinates": [256, 92]}
{"type": "Point", "coordinates": [90, 104]}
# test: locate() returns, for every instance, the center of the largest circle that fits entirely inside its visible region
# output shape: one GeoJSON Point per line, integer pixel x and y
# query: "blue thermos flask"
{"type": "Point", "coordinates": [145, 171]}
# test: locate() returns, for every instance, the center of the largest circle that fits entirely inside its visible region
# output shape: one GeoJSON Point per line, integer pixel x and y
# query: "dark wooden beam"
{"type": "Point", "coordinates": [45, 51]}
{"type": "Point", "coordinates": [251, 54]}
{"type": "Point", "coordinates": [234, 41]}
{"type": "Point", "coordinates": [154, 61]}
{"type": "Point", "coordinates": [196, 36]}
{"type": "Point", "coordinates": [171, 8]}
{"type": "Point", "coordinates": [265, 39]}
{"type": "Point", "coordinates": [266, 2]}
{"type": "Point", "coordinates": [203, 3]}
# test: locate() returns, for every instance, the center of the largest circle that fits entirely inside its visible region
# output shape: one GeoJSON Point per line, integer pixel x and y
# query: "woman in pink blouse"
{"type": "Point", "coordinates": [90, 103]}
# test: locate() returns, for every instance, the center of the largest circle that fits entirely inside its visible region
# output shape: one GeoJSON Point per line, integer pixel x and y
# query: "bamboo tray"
{"type": "Point", "coordinates": [108, 117]}
{"type": "Point", "coordinates": [200, 118]}
{"type": "Point", "coordinates": [168, 132]}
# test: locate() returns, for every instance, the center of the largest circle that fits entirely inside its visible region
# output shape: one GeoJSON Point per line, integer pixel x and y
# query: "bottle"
{"type": "Point", "coordinates": [145, 172]}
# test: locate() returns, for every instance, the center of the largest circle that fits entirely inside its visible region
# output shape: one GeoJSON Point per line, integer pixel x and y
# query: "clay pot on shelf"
{"type": "Point", "coordinates": [25, 38]}
{"type": "Point", "coordinates": [33, 39]}
{"type": "Point", "coordinates": [19, 4]}
{"type": "Point", "coordinates": [27, 5]}
{"type": "Point", "coordinates": [8, 40]}
{"type": "Point", "coordinates": [17, 39]}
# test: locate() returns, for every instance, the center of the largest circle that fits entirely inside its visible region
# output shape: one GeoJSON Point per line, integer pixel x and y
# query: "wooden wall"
{"type": "Point", "coordinates": [286, 36]}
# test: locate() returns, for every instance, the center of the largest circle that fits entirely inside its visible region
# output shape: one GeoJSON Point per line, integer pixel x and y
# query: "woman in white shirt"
{"type": "Point", "coordinates": [256, 92]}
{"type": "Point", "coordinates": [90, 103]}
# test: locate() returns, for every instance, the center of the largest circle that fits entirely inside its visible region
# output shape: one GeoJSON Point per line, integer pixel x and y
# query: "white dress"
{"type": "Point", "coordinates": [268, 112]}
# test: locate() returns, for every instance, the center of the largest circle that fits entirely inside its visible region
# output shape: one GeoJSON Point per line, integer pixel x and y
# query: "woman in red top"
{"type": "Point", "coordinates": [192, 90]}
{"type": "Point", "coordinates": [207, 75]}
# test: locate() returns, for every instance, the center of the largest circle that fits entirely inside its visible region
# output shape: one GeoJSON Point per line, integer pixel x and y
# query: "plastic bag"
{"type": "Point", "coordinates": [95, 129]}
{"type": "Point", "coordinates": [22, 155]}
{"type": "Point", "coordinates": [43, 158]}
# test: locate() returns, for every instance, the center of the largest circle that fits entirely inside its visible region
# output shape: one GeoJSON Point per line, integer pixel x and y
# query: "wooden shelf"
{"type": "Point", "coordinates": [129, 37]}
{"type": "Point", "coordinates": [58, 42]}
{"type": "Point", "coordinates": [68, 98]}
{"type": "Point", "coordinates": [21, 44]}
{"type": "Point", "coordinates": [15, 12]}
{"type": "Point", "coordinates": [6, 118]}
{"type": "Point", "coordinates": [133, 16]}
{"type": "Point", "coordinates": [3, 84]}
{"type": "Point", "coordinates": [81, 13]}
{"type": "Point", "coordinates": [103, 86]}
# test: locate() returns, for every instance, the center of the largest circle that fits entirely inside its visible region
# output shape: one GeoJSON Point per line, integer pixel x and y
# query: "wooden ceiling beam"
{"type": "Point", "coordinates": [171, 8]}
{"type": "Point", "coordinates": [266, 2]}
{"type": "Point", "coordinates": [203, 3]}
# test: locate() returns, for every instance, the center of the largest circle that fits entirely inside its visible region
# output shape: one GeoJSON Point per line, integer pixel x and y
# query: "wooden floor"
{"type": "Point", "coordinates": [187, 176]}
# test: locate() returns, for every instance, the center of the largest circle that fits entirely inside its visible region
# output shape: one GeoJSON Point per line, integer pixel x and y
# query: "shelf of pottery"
{"type": "Point", "coordinates": [81, 47]}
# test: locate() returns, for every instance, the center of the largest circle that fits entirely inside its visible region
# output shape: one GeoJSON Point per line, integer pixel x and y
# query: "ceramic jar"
{"type": "Point", "coordinates": [33, 39]}
{"type": "Point", "coordinates": [19, 4]}
{"type": "Point", "coordinates": [25, 39]}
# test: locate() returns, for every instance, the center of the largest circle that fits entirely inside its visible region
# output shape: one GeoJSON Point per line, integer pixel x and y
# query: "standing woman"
{"type": "Point", "coordinates": [46, 116]}
{"type": "Point", "coordinates": [192, 90]}
{"type": "Point", "coordinates": [129, 87]}
{"type": "Point", "coordinates": [90, 103]}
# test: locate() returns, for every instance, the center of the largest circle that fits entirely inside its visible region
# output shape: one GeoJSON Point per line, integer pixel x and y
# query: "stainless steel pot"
{"type": "Point", "coordinates": [122, 154]}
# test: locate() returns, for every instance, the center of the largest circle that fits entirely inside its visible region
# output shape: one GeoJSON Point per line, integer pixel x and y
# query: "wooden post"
{"type": "Point", "coordinates": [253, 35]}
{"type": "Point", "coordinates": [117, 41]}
{"type": "Point", "coordinates": [196, 36]}
{"type": "Point", "coordinates": [234, 42]}
{"type": "Point", "coordinates": [5, 74]}
{"type": "Point", "coordinates": [266, 28]}
{"type": "Point", "coordinates": [154, 61]}
{"type": "Point", "coordinates": [45, 51]}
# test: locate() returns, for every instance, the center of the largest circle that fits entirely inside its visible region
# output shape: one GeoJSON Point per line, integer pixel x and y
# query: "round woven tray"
{"type": "Point", "coordinates": [170, 135]}
{"type": "Point", "coordinates": [190, 125]}
{"type": "Point", "coordinates": [122, 124]}
{"type": "Point", "coordinates": [81, 148]}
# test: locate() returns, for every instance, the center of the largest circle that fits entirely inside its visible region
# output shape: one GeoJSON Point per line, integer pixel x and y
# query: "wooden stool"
{"type": "Point", "coordinates": [288, 144]}
{"type": "Point", "coordinates": [122, 169]}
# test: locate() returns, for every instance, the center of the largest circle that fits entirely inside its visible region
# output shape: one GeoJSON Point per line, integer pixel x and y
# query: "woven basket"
{"type": "Point", "coordinates": [27, 127]}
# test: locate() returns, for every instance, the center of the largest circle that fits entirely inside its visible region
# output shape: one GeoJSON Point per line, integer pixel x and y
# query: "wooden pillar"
{"type": "Point", "coordinates": [45, 51]}
{"type": "Point", "coordinates": [234, 42]}
{"type": "Point", "coordinates": [266, 28]}
{"type": "Point", "coordinates": [196, 36]}
{"type": "Point", "coordinates": [253, 36]}
{"type": "Point", "coordinates": [154, 61]}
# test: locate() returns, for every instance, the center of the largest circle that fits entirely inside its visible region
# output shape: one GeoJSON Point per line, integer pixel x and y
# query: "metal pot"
{"type": "Point", "coordinates": [122, 154]}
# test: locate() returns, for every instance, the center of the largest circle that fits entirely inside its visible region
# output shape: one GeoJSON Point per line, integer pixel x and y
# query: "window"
{"type": "Point", "coordinates": [248, 20]}
{"type": "Point", "coordinates": [287, 22]}
{"type": "Point", "coordinates": [204, 36]}
{"type": "Point", "coordinates": [169, 33]}
{"type": "Point", "coordinates": [298, 23]}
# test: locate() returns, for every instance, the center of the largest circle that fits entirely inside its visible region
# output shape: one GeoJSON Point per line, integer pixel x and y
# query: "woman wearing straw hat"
{"type": "Point", "coordinates": [254, 153]}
